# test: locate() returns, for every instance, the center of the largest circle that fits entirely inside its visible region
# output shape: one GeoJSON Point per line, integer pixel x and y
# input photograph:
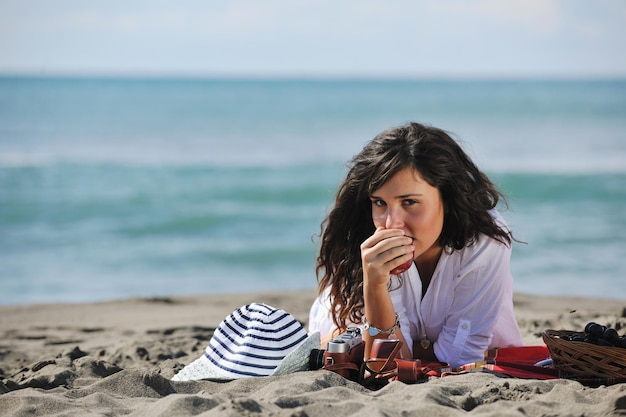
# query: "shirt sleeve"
{"type": "Point", "coordinates": [482, 285]}
{"type": "Point", "coordinates": [320, 319]}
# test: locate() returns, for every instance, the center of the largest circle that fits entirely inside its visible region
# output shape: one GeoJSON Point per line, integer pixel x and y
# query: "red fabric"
{"type": "Point", "coordinates": [524, 371]}
{"type": "Point", "coordinates": [526, 355]}
{"type": "Point", "coordinates": [520, 362]}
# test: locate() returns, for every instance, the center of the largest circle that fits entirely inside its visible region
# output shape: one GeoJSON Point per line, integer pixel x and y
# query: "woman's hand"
{"type": "Point", "coordinates": [382, 252]}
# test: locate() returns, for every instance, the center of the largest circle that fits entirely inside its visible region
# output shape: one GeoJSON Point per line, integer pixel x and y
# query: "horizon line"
{"type": "Point", "coordinates": [269, 76]}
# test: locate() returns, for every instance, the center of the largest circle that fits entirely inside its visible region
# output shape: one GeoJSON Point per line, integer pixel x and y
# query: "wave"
{"type": "Point", "coordinates": [605, 165]}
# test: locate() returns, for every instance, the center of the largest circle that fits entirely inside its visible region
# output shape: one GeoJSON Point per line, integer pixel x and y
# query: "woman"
{"type": "Point", "coordinates": [412, 194]}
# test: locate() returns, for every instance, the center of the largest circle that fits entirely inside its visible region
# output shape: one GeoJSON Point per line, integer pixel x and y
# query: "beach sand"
{"type": "Point", "coordinates": [116, 359]}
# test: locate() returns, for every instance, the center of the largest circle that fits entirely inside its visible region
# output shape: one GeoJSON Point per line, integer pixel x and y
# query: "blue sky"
{"type": "Point", "coordinates": [443, 38]}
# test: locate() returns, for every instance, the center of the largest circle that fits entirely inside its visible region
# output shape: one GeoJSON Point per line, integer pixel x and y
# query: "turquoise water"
{"type": "Point", "coordinates": [113, 188]}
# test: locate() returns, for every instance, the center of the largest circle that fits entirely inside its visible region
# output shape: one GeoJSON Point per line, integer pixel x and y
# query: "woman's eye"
{"type": "Point", "coordinates": [409, 202]}
{"type": "Point", "coordinates": [378, 203]}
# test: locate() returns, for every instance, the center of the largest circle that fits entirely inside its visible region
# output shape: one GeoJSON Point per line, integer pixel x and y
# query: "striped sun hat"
{"type": "Point", "coordinates": [254, 340]}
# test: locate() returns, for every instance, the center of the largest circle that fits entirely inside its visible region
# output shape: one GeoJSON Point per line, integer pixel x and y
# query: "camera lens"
{"type": "Point", "coordinates": [316, 359]}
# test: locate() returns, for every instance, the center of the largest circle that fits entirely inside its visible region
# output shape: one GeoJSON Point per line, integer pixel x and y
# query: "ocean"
{"type": "Point", "coordinates": [127, 187]}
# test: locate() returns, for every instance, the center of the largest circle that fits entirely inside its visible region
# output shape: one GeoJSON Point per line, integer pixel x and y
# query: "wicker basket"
{"type": "Point", "coordinates": [582, 359]}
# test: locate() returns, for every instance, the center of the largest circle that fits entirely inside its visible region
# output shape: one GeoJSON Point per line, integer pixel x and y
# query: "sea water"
{"type": "Point", "coordinates": [113, 188]}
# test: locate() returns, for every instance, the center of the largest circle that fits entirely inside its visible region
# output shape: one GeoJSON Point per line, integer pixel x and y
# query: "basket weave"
{"type": "Point", "coordinates": [582, 359]}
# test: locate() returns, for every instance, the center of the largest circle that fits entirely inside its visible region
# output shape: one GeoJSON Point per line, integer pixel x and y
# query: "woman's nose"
{"type": "Point", "coordinates": [394, 220]}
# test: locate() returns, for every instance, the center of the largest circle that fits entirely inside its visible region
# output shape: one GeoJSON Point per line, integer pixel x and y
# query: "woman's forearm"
{"type": "Point", "coordinates": [380, 314]}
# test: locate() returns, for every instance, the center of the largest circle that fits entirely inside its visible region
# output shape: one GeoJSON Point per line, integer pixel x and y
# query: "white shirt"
{"type": "Point", "coordinates": [467, 308]}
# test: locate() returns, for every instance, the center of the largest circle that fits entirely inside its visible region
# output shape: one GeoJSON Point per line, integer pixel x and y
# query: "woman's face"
{"type": "Point", "coordinates": [406, 201]}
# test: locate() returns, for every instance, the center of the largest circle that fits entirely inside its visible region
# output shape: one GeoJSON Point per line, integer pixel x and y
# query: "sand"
{"type": "Point", "coordinates": [117, 358]}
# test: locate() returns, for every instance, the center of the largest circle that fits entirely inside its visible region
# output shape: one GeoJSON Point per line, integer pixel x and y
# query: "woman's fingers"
{"type": "Point", "coordinates": [385, 250]}
{"type": "Point", "coordinates": [380, 235]}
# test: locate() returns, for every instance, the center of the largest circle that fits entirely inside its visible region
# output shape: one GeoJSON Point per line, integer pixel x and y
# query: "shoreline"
{"type": "Point", "coordinates": [187, 310]}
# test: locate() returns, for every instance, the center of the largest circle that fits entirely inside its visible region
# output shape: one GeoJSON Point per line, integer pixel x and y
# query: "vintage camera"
{"type": "Point", "coordinates": [345, 342]}
{"type": "Point", "coordinates": [343, 354]}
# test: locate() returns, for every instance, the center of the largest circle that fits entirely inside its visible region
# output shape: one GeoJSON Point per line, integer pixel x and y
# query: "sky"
{"type": "Point", "coordinates": [317, 38]}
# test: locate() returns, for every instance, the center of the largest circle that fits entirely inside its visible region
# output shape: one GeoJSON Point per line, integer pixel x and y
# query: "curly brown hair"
{"type": "Point", "coordinates": [467, 194]}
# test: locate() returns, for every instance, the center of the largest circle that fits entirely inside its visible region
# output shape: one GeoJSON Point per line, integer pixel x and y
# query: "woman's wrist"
{"type": "Point", "coordinates": [375, 331]}
{"type": "Point", "coordinates": [375, 289]}
{"type": "Point", "coordinates": [379, 314]}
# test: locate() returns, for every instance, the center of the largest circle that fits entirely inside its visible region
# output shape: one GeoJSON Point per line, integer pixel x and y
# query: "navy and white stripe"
{"type": "Point", "coordinates": [253, 340]}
